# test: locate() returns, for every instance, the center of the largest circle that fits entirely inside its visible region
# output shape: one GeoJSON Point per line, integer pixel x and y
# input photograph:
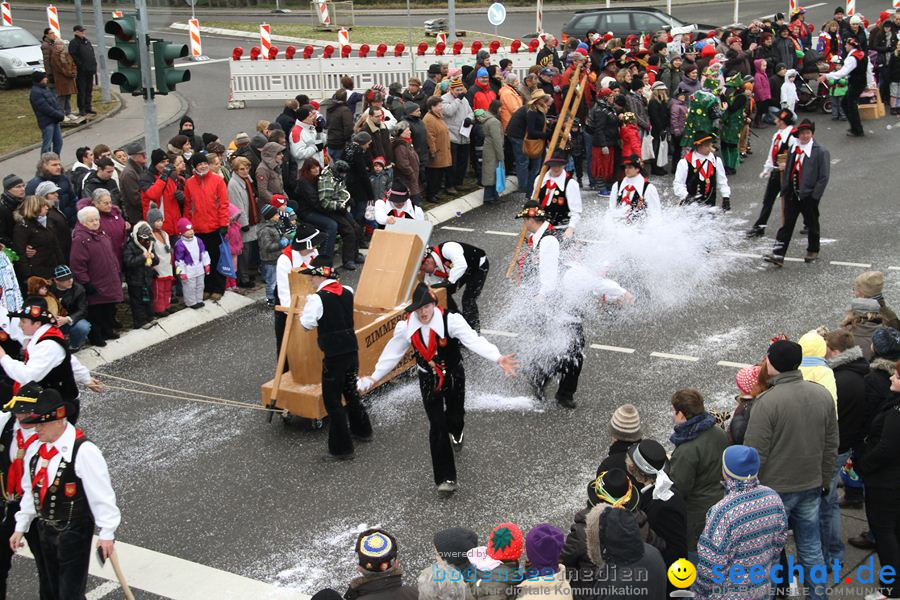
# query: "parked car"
{"type": "Point", "coordinates": [442, 25]}
{"type": "Point", "coordinates": [20, 56]}
{"type": "Point", "coordinates": [626, 21]}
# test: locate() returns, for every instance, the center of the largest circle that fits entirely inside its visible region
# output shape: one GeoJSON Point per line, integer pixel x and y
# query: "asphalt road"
{"type": "Point", "coordinates": [224, 488]}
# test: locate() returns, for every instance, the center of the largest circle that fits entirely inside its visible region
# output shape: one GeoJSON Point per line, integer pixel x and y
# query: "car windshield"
{"type": "Point", "coordinates": [16, 38]}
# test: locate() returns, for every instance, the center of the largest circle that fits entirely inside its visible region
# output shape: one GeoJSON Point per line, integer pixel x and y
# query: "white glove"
{"type": "Point", "coordinates": [364, 384]}
{"type": "Point", "coordinates": [763, 174]}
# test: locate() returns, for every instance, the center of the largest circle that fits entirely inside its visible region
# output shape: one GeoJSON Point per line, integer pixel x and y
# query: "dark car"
{"type": "Point", "coordinates": [626, 21]}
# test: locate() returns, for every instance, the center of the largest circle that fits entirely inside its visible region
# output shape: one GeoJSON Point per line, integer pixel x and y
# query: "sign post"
{"type": "Point", "coordinates": [496, 15]}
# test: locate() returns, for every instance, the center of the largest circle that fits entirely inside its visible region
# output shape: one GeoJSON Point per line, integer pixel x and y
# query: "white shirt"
{"type": "Point", "coordinates": [844, 71]}
{"type": "Point", "coordinates": [807, 148]}
{"type": "Point", "coordinates": [547, 248]}
{"type": "Point", "coordinates": [651, 195]}
{"type": "Point", "coordinates": [453, 253]}
{"type": "Point", "coordinates": [778, 138]}
{"type": "Point", "coordinates": [313, 309]}
{"type": "Point", "coordinates": [42, 358]}
{"type": "Point", "coordinates": [283, 267]}
{"type": "Point", "coordinates": [14, 443]}
{"type": "Point", "coordinates": [572, 192]}
{"type": "Point", "coordinates": [383, 210]}
{"type": "Point", "coordinates": [90, 467]}
{"type": "Point", "coordinates": [457, 327]}
{"type": "Point", "coordinates": [679, 186]}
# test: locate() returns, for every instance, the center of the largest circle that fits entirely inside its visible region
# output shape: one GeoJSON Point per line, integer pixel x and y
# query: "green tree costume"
{"type": "Point", "coordinates": [703, 110]}
{"type": "Point", "coordinates": [733, 121]}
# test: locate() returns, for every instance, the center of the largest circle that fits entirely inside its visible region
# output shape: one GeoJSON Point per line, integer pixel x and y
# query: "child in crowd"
{"type": "Point", "coordinates": [893, 75]}
{"type": "Point", "coordinates": [287, 220]}
{"type": "Point", "coordinates": [575, 147]}
{"type": "Point", "coordinates": [381, 177]}
{"type": "Point", "coordinates": [837, 92]}
{"type": "Point", "coordinates": [629, 134]}
{"type": "Point", "coordinates": [678, 111]}
{"type": "Point", "coordinates": [162, 285]}
{"type": "Point", "coordinates": [271, 244]}
{"type": "Point", "coordinates": [139, 260]}
{"type": "Point", "coordinates": [235, 242]}
{"type": "Point", "coordinates": [191, 263]}
{"type": "Point", "coordinates": [789, 95]}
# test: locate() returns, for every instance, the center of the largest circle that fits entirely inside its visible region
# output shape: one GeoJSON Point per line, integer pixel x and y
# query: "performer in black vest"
{"type": "Point", "coordinates": [634, 196]}
{"type": "Point", "coordinates": [330, 311]}
{"type": "Point", "coordinates": [67, 491]}
{"type": "Point", "coordinates": [436, 335]}
{"type": "Point", "coordinates": [855, 69]}
{"type": "Point", "coordinates": [396, 204]}
{"type": "Point", "coordinates": [782, 143]}
{"type": "Point", "coordinates": [298, 255]}
{"type": "Point", "coordinates": [700, 173]}
{"type": "Point", "coordinates": [806, 176]}
{"type": "Point", "coordinates": [560, 195]}
{"type": "Point", "coordinates": [453, 265]}
{"type": "Point", "coordinates": [15, 441]}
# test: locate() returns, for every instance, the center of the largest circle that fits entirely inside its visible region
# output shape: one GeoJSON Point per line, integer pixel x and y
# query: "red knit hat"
{"type": "Point", "coordinates": [707, 51]}
{"type": "Point", "coordinates": [746, 378]}
{"type": "Point", "coordinates": [505, 542]}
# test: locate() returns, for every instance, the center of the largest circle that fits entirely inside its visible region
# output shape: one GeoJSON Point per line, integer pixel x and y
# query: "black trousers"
{"type": "Point", "coordinates": [248, 261]}
{"type": "Point", "coordinates": [102, 318]}
{"type": "Point", "coordinates": [446, 415]}
{"type": "Point", "coordinates": [67, 555]}
{"type": "Point", "coordinates": [348, 229]}
{"type": "Point", "coordinates": [141, 310]}
{"type": "Point", "coordinates": [883, 514]}
{"type": "Point", "coordinates": [793, 208]}
{"type": "Point", "coordinates": [214, 283]}
{"type": "Point", "coordinates": [474, 283]}
{"type": "Point", "coordinates": [773, 188]}
{"type": "Point", "coordinates": [84, 82]}
{"type": "Point", "coordinates": [433, 179]}
{"type": "Point", "coordinates": [280, 324]}
{"type": "Point", "coordinates": [339, 375]}
{"type": "Point", "coordinates": [7, 527]}
{"type": "Point", "coordinates": [850, 104]}
{"type": "Point", "coordinates": [459, 154]}
{"type": "Point", "coordinates": [567, 364]}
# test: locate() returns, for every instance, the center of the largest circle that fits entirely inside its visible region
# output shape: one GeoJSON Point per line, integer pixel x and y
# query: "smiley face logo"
{"type": "Point", "coordinates": [682, 573]}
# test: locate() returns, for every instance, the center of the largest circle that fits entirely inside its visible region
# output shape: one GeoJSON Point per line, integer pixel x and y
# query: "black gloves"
{"type": "Point", "coordinates": [467, 122]}
{"type": "Point", "coordinates": [89, 288]}
{"type": "Point", "coordinates": [179, 197]}
{"type": "Point", "coordinates": [223, 231]}
{"type": "Point", "coordinates": [245, 228]}
{"type": "Point", "coordinates": [319, 147]}
{"type": "Point", "coordinates": [167, 172]}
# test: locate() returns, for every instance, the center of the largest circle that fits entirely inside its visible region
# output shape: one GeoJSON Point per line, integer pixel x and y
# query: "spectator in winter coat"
{"type": "Point", "coordinates": [381, 576]}
{"type": "Point", "coordinates": [375, 126]}
{"type": "Point", "coordinates": [187, 128]}
{"type": "Point", "coordinates": [356, 155]}
{"type": "Point", "coordinates": [603, 126]}
{"type": "Point", "coordinates": [746, 529]}
{"type": "Point", "coordinates": [814, 367]}
{"type": "Point", "coordinates": [439, 147]}
{"type": "Point", "coordinates": [47, 112]}
{"type": "Point", "coordinates": [406, 161]}
{"type": "Point", "coordinates": [419, 137]}
{"type": "Point", "coordinates": [678, 113]}
{"type": "Point", "coordinates": [242, 195]}
{"type": "Point", "coordinates": [414, 93]}
{"type": "Point", "coordinates": [483, 94]}
{"type": "Point", "coordinates": [288, 117]}
{"type": "Point", "coordinates": [457, 113]}
{"type": "Point", "coordinates": [786, 49]}
{"type": "Point", "coordinates": [159, 185]}
{"type": "Point", "coordinates": [670, 74]}
{"type": "Point", "coordinates": [82, 52]}
{"type": "Point", "coordinates": [102, 177]}
{"type": "Point", "coordinates": [111, 220]}
{"type": "Point", "coordinates": [268, 174]}
{"type": "Point", "coordinates": [334, 201]}
{"type": "Point", "coordinates": [97, 268]}
{"type": "Point", "coordinates": [64, 73]}
{"type": "Point", "coordinates": [863, 320]}
{"type": "Point", "coordinates": [56, 221]}
{"type": "Point", "coordinates": [206, 207]}
{"type": "Point", "coordinates": [696, 463]}
{"type": "Point", "coordinates": [13, 194]}
{"type": "Point", "coordinates": [871, 285]}
{"type": "Point", "coordinates": [34, 242]}
{"type": "Point", "coordinates": [306, 142]}
{"type": "Point", "coordinates": [139, 260]}
{"type": "Point", "coordinates": [73, 298]}
{"type": "Point", "coordinates": [340, 125]}
{"type": "Point", "coordinates": [46, 47]}
{"type": "Point", "coordinates": [492, 154]}
{"type": "Point", "coordinates": [630, 135]}
{"type": "Point", "coordinates": [510, 100]}
{"type": "Point", "coordinates": [311, 210]}
{"type": "Point", "coordinates": [548, 55]}
{"type": "Point", "coordinates": [129, 182]}
{"type": "Point", "coordinates": [50, 169]}
{"type": "Point", "coordinates": [270, 246]}
{"type": "Point", "coordinates": [658, 111]}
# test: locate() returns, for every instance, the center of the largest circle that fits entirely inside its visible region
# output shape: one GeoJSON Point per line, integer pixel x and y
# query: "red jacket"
{"type": "Point", "coordinates": [483, 97]}
{"type": "Point", "coordinates": [206, 202]}
{"type": "Point", "coordinates": [161, 193]}
{"type": "Point", "coordinates": [631, 139]}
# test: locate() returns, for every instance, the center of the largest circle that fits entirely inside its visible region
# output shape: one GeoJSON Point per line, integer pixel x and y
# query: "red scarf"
{"type": "Point", "coordinates": [548, 197]}
{"type": "Point", "coordinates": [706, 169]}
{"type": "Point", "coordinates": [798, 163]}
{"type": "Point", "coordinates": [335, 288]}
{"type": "Point", "coordinates": [53, 332]}
{"type": "Point", "coordinates": [40, 478]}
{"type": "Point", "coordinates": [17, 467]}
{"type": "Point", "coordinates": [444, 273]}
{"type": "Point", "coordinates": [252, 214]}
{"type": "Point", "coordinates": [398, 213]}
{"type": "Point", "coordinates": [629, 190]}
{"type": "Point", "coordinates": [429, 351]}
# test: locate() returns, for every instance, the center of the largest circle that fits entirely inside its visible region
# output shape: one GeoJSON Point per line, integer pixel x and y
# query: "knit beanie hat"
{"type": "Point", "coordinates": [242, 138]}
{"type": "Point", "coordinates": [746, 378]}
{"type": "Point", "coordinates": [154, 214]}
{"type": "Point", "coordinates": [625, 424]}
{"type": "Point", "coordinates": [505, 542]}
{"type": "Point", "coordinates": [376, 549]}
{"type": "Point", "coordinates": [208, 138]}
{"type": "Point", "coordinates": [544, 543]}
{"type": "Point", "coordinates": [183, 225]}
{"type": "Point", "coordinates": [157, 156]}
{"type": "Point", "coordinates": [740, 462]}
{"type": "Point", "coordinates": [199, 159]}
{"type": "Point", "coordinates": [452, 545]}
{"type": "Point", "coordinates": [267, 211]}
{"type": "Point", "coordinates": [258, 141]}
{"type": "Point", "coordinates": [886, 343]}
{"type": "Point", "coordinates": [482, 72]}
{"type": "Point", "coordinates": [11, 181]}
{"type": "Point", "coordinates": [869, 284]}
{"type": "Point", "coordinates": [785, 355]}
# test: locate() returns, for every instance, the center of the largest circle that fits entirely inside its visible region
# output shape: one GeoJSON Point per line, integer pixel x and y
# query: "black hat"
{"type": "Point", "coordinates": [398, 192]}
{"type": "Point", "coordinates": [785, 355]}
{"type": "Point", "coordinates": [805, 124]}
{"type": "Point", "coordinates": [614, 488]}
{"type": "Point", "coordinates": [533, 210]}
{"type": "Point", "coordinates": [50, 406]}
{"type": "Point", "coordinates": [340, 167]}
{"type": "Point", "coordinates": [786, 116]}
{"type": "Point", "coordinates": [701, 137]}
{"type": "Point", "coordinates": [410, 108]}
{"type": "Point", "coordinates": [304, 237]}
{"type": "Point", "coordinates": [207, 138]}
{"type": "Point", "coordinates": [648, 453]}
{"type": "Point", "coordinates": [11, 181]}
{"type": "Point", "coordinates": [157, 156]}
{"type": "Point", "coordinates": [422, 296]}
{"type": "Point", "coordinates": [198, 159]}
{"type": "Point", "coordinates": [34, 308]}
{"type": "Point", "coordinates": [453, 544]}
{"type": "Point", "coordinates": [78, 28]}
{"type": "Point", "coordinates": [779, 16]}
{"type": "Point", "coordinates": [38, 76]}
{"type": "Point", "coordinates": [321, 266]}
{"type": "Point", "coordinates": [327, 594]}
{"type": "Point", "coordinates": [558, 158]}
{"type": "Point", "coordinates": [376, 549]}
{"type": "Point", "coordinates": [632, 161]}
{"type": "Point", "coordinates": [434, 69]}
{"type": "Point", "coordinates": [25, 400]}
{"type": "Point", "coordinates": [839, 10]}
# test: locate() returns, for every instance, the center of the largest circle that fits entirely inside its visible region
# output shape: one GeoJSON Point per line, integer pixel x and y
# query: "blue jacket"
{"type": "Point", "coordinates": [45, 107]}
{"type": "Point", "coordinates": [67, 199]}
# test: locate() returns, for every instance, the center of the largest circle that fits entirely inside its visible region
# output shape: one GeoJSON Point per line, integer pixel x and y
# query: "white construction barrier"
{"type": "Point", "coordinates": [7, 14]}
{"type": "Point", "coordinates": [53, 19]}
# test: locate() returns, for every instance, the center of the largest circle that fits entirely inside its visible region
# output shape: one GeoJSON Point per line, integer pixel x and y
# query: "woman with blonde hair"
{"type": "Point", "coordinates": [34, 242]}
{"type": "Point", "coordinates": [658, 110]}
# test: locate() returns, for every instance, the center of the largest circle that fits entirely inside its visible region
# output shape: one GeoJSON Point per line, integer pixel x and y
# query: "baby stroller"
{"type": "Point", "coordinates": [813, 95]}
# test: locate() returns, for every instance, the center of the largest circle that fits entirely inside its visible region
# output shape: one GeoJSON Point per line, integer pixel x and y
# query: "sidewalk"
{"type": "Point", "coordinates": [115, 131]}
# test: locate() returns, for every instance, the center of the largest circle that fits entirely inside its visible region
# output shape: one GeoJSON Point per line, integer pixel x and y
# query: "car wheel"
{"type": "Point", "coordinates": [4, 80]}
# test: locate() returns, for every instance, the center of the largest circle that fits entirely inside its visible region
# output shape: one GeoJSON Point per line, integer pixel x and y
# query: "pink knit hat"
{"type": "Point", "coordinates": [746, 378]}
{"type": "Point", "coordinates": [183, 225]}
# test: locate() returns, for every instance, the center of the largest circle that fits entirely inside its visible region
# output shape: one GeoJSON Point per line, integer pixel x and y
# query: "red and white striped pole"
{"type": "Point", "coordinates": [324, 17]}
{"type": "Point", "coordinates": [196, 46]}
{"type": "Point", "coordinates": [442, 37]}
{"type": "Point", "coordinates": [343, 37]}
{"type": "Point", "coordinates": [851, 8]}
{"type": "Point", "coordinates": [896, 4]}
{"type": "Point", "coordinates": [7, 14]}
{"type": "Point", "coordinates": [265, 40]}
{"type": "Point", "coordinates": [539, 26]}
{"type": "Point", "coordinates": [117, 14]}
{"type": "Point", "coordinates": [53, 19]}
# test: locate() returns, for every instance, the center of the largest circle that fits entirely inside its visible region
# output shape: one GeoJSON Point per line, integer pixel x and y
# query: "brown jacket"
{"type": "Point", "coordinates": [438, 141]}
{"type": "Point", "coordinates": [406, 165]}
{"type": "Point", "coordinates": [64, 71]}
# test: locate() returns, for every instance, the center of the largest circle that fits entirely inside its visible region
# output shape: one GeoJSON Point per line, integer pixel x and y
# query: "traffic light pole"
{"type": "Point", "coordinates": [151, 129]}
{"type": "Point", "coordinates": [102, 70]}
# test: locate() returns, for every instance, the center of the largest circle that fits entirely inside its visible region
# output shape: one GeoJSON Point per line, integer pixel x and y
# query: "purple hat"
{"type": "Point", "coordinates": [543, 545]}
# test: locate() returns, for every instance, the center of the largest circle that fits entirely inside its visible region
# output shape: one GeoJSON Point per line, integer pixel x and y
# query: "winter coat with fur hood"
{"type": "Point", "coordinates": [850, 369]}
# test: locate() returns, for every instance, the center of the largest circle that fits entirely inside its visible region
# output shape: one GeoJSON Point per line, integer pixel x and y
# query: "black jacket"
{"type": "Point", "coordinates": [419, 138]}
{"type": "Point", "coordinates": [83, 54]}
{"type": "Point", "coordinates": [603, 125]}
{"type": "Point", "coordinates": [137, 274]}
{"type": "Point", "coordinates": [74, 300]}
{"type": "Point", "coordinates": [814, 178]}
{"type": "Point", "coordinates": [28, 232]}
{"type": "Point", "coordinates": [615, 458]}
{"type": "Point", "coordinates": [516, 126]}
{"type": "Point", "coordinates": [8, 206]}
{"type": "Point", "coordinates": [850, 370]}
{"type": "Point", "coordinates": [340, 125]}
{"type": "Point", "coordinates": [358, 183]}
{"type": "Point", "coordinates": [879, 464]}
{"type": "Point", "coordinates": [381, 586]}
{"type": "Point", "coordinates": [92, 182]}
{"type": "Point", "coordinates": [668, 520]}
{"type": "Point", "coordinates": [878, 387]}
{"type": "Point", "coordinates": [659, 116]}
{"type": "Point", "coordinates": [287, 119]}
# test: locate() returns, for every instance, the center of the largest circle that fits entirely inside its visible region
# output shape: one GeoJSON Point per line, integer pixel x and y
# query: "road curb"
{"type": "Point", "coordinates": [73, 130]}
{"type": "Point", "coordinates": [463, 204]}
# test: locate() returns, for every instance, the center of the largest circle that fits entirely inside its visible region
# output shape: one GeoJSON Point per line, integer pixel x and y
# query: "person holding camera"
{"type": "Point", "coordinates": [159, 186]}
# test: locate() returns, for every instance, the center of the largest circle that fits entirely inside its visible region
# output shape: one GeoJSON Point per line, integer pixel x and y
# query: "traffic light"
{"type": "Point", "coordinates": [127, 53]}
{"type": "Point", "coordinates": [167, 76]}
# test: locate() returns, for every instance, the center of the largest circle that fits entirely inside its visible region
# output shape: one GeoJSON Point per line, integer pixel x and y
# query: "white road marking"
{"type": "Point", "coordinates": [683, 357]}
{"type": "Point", "coordinates": [612, 348]}
{"type": "Point", "coordinates": [101, 590]}
{"type": "Point", "coordinates": [450, 228]}
{"type": "Point", "coordinates": [179, 579]}
{"type": "Point", "coordinates": [789, 259]}
{"type": "Point", "coordinates": [509, 233]}
{"type": "Point", "coordinates": [841, 263]}
{"type": "Point", "coordinates": [499, 333]}
{"type": "Point", "coordinates": [736, 365]}
{"type": "Point", "coordinates": [893, 268]}
{"type": "Point", "coordinates": [193, 64]}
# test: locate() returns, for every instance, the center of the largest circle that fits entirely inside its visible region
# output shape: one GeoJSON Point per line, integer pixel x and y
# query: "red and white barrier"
{"type": "Point", "coordinates": [53, 19]}
{"type": "Point", "coordinates": [539, 24]}
{"type": "Point", "coordinates": [896, 4]}
{"type": "Point", "coordinates": [441, 38]}
{"type": "Point", "coordinates": [324, 17]}
{"type": "Point", "coordinates": [196, 47]}
{"type": "Point", "coordinates": [851, 8]}
{"type": "Point", "coordinates": [265, 40]}
{"type": "Point", "coordinates": [117, 14]}
{"type": "Point", "coordinates": [7, 14]}
{"type": "Point", "coordinates": [343, 37]}
{"type": "Point", "coordinates": [792, 6]}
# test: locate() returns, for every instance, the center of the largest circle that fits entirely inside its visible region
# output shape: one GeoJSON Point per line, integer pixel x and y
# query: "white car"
{"type": "Point", "coordinates": [20, 56]}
